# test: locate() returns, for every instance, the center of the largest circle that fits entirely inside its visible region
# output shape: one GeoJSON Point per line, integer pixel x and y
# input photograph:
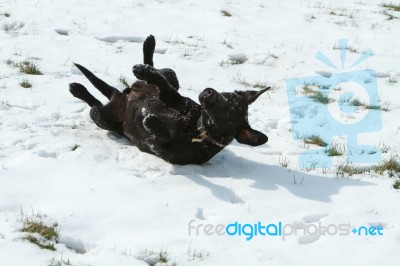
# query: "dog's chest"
{"type": "Point", "coordinates": [180, 115]}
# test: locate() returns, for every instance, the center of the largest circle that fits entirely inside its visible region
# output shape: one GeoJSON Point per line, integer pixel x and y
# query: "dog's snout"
{"type": "Point", "coordinates": [208, 95]}
{"type": "Point", "coordinates": [208, 92]}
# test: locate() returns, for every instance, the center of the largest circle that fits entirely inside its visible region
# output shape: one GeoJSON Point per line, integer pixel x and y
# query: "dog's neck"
{"type": "Point", "coordinates": [205, 135]}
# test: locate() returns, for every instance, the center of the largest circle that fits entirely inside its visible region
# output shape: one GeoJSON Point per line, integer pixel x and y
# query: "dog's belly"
{"type": "Point", "coordinates": [180, 121]}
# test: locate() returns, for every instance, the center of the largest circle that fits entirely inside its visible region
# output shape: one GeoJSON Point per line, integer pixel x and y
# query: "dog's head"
{"type": "Point", "coordinates": [225, 116]}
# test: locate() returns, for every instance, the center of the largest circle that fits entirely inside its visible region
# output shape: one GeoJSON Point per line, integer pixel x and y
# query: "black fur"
{"type": "Point", "coordinates": [158, 120]}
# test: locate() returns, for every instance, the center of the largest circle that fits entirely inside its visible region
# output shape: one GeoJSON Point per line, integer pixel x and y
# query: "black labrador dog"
{"type": "Point", "coordinates": [158, 120]}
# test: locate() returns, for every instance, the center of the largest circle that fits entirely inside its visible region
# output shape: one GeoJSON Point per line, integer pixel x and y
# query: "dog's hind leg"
{"type": "Point", "coordinates": [148, 50]}
{"type": "Point", "coordinates": [104, 119]}
{"type": "Point", "coordinates": [80, 92]}
{"type": "Point", "coordinates": [102, 116]}
{"type": "Point", "coordinates": [103, 87]}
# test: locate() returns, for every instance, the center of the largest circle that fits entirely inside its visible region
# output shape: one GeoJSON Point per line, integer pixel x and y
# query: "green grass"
{"type": "Point", "coordinates": [311, 90]}
{"type": "Point", "coordinates": [200, 43]}
{"type": "Point", "coordinates": [316, 140]}
{"type": "Point", "coordinates": [390, 165]}
{"type": "Point", "coordinates": [226, 13]}
{"type": "Point", "coordinates": [310, 167]}
{"type": "Point", "coordinates": [284, 162]}
{"type": "Point", "coordinates": [256, 85]}
{"type": "Point", "coordinates": [228, 44]}
{"type": "Point", "coordinates": [377, 107]}
{"type": "Point", "coordinates": [11, 63]}
{"type": "Point", "coordinates": [6, 28]}
{"type": "Point", "coordinates": [163, 256]}
{"type": "Point", "coordinates": [321, 98]}
{"type": "Point", "coordinates": [25, 84]}
{"type": "Point", "coordinates": [358, 103]}
{"type": "Point", "coordinates": [353, 49]}
{"type": "Point", "coordinates": [310, 17]}
{"type": "Point", "coordinates": [29, 68]}
{"type": "Point", "coordinates": [40, 234]}
{"type": "Point", "coordinates": [383, 147]}
{"type": "Point", "coordinates": [391, 6]}
{"type": "Point", "coordinates": [260, 85]}
{"type": "Point", "coordinates": [197, 255]}
{"type": "Point", "coordinates": [233, 61]}
{"type": "Point", "coordinates": [124, 81]}
{"type": "Point", "coordinates": [60, 262]}
{"type": "Point", "coordinates": [373, 107]}
{"type": "Point", "coordinates": [339, 12]}
{"type": "Point", "coordinates": [156, 258]}
{"type": "Point", "coordinates": [393, 79]}
{"type": "Point", "coordinates": [349, 48]}
{"type": "Point", "coordinates": [274, 56]}
{"type": "Point", "coordinates": [334, 150]}
{"type": "Point", "coordinates": [186, 53]}
{"type": "Point", "coordinates": [76, 146]}
{"type": "Point", "coordinates": [347, 170]}
{"type": "Point", "coordinates": [396, 184]}
{"type": "Point", "coordinates": [389, 15]}
{"type": "Point", "coordinates": [174, 41]}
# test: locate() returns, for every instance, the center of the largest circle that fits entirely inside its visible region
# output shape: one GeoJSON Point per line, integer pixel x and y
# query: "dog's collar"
{"type": "Point", "coordinates": [204, 135]}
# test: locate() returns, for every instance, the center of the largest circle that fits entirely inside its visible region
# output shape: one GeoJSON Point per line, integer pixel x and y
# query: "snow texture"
{"type": "Point", "coordinates": [118, 206]}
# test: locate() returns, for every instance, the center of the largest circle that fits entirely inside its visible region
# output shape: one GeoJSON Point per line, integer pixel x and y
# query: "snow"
{"type": "Point", "coordinates": [119, 206]}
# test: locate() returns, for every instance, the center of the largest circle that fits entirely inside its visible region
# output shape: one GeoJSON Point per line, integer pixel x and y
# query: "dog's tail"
{"type": "Point", "coordinates": [103, 87]}
{"type": "Point", "coordinates": [148, 50]}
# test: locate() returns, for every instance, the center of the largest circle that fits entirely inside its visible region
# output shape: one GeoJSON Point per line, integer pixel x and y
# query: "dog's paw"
{"type": "Point", "coordinates": [144, 72]}
{"type": "Point", "coordinates": [78, 90]}
{"type": "Point", "coordinates": [149, 43]}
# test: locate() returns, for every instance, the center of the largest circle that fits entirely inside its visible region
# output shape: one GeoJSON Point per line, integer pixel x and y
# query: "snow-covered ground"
{"type": "Point", "coordinates": [118, 206]}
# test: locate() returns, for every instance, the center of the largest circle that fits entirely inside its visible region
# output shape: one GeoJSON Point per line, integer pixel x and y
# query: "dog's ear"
{"type": "Point", "coordinates": [251, 96]}
{"type": "Point", "coordinates": [249, 136]}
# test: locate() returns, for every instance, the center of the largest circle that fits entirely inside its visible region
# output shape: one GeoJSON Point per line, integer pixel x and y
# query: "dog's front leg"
{"type": "Point", "coordinates": [156, 127]}
{"type": "Point", "coordinates": [168, 93]}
